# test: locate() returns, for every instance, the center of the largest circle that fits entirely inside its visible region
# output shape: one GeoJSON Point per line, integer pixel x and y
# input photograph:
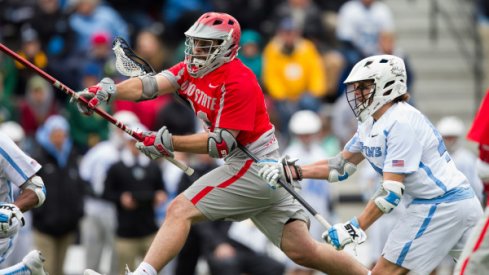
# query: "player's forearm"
{"type": "Point", "coordinates": [369, 215]}
{"type": "Point", "coordinates": [317, 170]}
{"type": "Point", "coordinates": [196, 143]}
{"type": "Point", "coordinates": [130, 89]}
{"type": "Point", "coordinates": [26, 200]}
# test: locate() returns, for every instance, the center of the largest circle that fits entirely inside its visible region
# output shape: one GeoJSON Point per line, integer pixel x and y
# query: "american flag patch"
{"type": "Point", "coordinates": [398, 163]}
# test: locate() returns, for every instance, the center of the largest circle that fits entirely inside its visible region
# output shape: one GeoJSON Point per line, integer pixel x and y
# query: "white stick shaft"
{"type": "Point", "coordinates": [185, 168]}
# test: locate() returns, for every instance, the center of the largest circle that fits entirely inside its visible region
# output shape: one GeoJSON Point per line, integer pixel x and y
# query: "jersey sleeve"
{"type": "Point", "coordinates": [238, 105]}
{"type": "Point", "coordinates": [354, 145]}
{"type": "Point", "coordinates": [176, 74]}
{"type": "Point", "coordinates": [403, 151]}
{"type": "Point", "coordinates": [17, 166]}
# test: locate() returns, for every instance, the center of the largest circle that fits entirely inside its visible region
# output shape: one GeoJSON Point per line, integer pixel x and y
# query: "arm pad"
{"type": "Point", "coordinates": [220, 143]}
{"type": "Point", "coordinates": [37, 185]}
{"type": "Point", "coordinates": [340, 169]}
{"type": "Point", "coordinates": [150, 87]}
{"type": "Point", "coordinates": [389, 195]}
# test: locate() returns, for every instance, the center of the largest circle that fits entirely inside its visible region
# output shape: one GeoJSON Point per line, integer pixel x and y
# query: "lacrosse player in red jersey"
{"type": "Point", "coordinates": [474, 257]}
{"type": "Point", "coordinates": [409, 153]}
{"type": "Point", "coordinates": [226, 96]}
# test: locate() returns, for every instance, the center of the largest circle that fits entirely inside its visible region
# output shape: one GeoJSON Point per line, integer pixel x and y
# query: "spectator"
{"type": "Point", "coordinates": [358, 27]}
{"type": "Point", "coordinates": [151, 48]}
{"type": "Point", "coordinates": [31, 51]}
{"type": "Point", "coordinates": [307, 16]}
{"type": "Point", "coordinates": [37, 106]}
{"type": "Point", "coordinates": [360, 23]}
{"type": "Point", "coordinates": [91, 17]}
{"type": "Point", "coordinates": [98, 225]}
{"type": "Point", "coordinates": [134, 184]}
{"type": "Point", "coordinates": [293, 72]}
{"type": "Point", "coordinates": [56, 223]}
{"type": "Point", "coordinates": [8, 82]}
{"type": "Point", "coordinates": [251, 51]}
{"type": "Point", "coordinates": [87, 131]}
{"type": "Point", "coordinates": [58, 42]}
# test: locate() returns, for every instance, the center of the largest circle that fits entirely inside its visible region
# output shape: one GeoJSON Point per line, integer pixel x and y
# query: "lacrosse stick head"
{"type": "Point", "coordinates": [127, 62]}
{"type": "Point", "coordinates": [211, 41]}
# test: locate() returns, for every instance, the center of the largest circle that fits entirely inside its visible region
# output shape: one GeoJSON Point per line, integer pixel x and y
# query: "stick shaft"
{"type": "Point", "coordinates": [291, 190]}
{"type": "Point", "coordinates": [138, 136]}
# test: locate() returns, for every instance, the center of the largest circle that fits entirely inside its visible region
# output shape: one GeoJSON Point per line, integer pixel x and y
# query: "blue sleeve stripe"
{"type": "Point", "coordinates": [13, 164]}
{"type": "Point", "coordinates": [421, 230]}
{"type": "Point", "coordinates": [432, 177]}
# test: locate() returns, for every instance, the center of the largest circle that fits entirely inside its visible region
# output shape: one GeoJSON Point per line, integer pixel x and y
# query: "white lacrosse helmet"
{"type": "Point", "coordinates": [450, 126]}
{"type": "Point", "coordinates": [388, 74]}
{"type": "Point", "coordinates": [211, 41]}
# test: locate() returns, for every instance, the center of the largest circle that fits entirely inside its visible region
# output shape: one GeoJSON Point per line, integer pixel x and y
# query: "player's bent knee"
{"type": "Point", "coordinates": [182, 208]}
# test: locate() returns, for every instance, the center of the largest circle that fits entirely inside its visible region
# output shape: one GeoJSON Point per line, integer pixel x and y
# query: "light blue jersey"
{"type": "Point", "coordinates": [15, 167]}
{"type": "Point", "coordinates": [403, 141]}
{"type": "Point", "coordinates": [441, 206]}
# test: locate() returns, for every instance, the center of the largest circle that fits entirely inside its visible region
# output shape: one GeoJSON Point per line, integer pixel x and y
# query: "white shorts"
{"type": "Point", "coordinates": [426, 233]}
{"type": "Point", "coordinates": [7, 243]}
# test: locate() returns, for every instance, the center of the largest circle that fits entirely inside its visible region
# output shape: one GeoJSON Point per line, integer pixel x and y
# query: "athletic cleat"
{"type": "Point", "coordinates": [90, 272]}
{"type": "Point", "coordinates": [34, 261]}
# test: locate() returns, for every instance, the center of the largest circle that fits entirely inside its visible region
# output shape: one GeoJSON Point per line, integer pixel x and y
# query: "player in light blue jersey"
{"type": "Point", "coordinates": [16, 168]}
{"type": "Point", "coordinates": [402, 145]}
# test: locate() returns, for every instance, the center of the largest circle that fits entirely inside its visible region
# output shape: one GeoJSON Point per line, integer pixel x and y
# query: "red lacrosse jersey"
{"type": "Point", "coordinates": [228, 98]}
{"type": "Point", "coordinates": [479, 132]}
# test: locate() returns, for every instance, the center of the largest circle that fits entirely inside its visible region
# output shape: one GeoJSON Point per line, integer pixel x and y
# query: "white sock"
{"type": "Point", "coordinates": [369, 272]}
{"type": "Point", "coordinates": [145, 269]}
{"type": "Point", "coordinates": [18, 269]}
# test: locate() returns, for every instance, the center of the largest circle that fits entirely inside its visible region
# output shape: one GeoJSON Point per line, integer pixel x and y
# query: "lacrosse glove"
{"type": "Point", "coordinates": [104, 91]}
{"type": "Point", "coordinates": [341, 234]}
{"type": "Point", "coordinates": [273, 171]}
{"type": "Point", "coordinates": [157, 144]}
{"type": "Point", "coordinates": [11, 219]}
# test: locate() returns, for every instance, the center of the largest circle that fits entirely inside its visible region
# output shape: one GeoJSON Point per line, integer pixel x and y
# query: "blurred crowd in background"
{"type": "Point", "coordinates": [103, 194]}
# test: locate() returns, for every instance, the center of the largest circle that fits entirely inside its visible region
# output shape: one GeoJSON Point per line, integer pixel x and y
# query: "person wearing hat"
{"type": "Point", "coordinates": [293, 72]}
{"type": "Point", "coordinates": [251, 51]}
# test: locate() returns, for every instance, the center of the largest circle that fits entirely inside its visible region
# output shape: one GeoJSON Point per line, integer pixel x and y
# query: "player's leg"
{"type": "Point", "coordinates": [31, 264]}
{"type": "Point", "coordinates": [173, 233]}
{"type": "Point", "coordinates": [299, 246]}
{"type": "Point", "coordinates": [383, 266]}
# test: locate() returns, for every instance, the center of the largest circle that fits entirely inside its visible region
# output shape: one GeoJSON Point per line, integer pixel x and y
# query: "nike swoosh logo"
{"type": "Point", "coordinates": [213, 86]}
{"type": "Point", "coordinates": [374, 135]}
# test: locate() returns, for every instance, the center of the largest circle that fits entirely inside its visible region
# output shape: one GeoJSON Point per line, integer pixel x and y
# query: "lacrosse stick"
{"type": "Point", "coordinates": [135, 134]}
{"type": "Point", "coordinates": [129, 64]}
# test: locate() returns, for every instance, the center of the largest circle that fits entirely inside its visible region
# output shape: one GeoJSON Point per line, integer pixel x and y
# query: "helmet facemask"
{"type": "Point", "coordinates": [211, 41]}
{"type": "Point", "coordinates": [205, 55]}
{"type": "Point", "coordinates": [360, 95]}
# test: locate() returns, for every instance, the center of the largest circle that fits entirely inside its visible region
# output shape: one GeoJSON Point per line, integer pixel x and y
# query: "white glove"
{"type": "Point", "coordinates": [341, 234]}
{"type": "Point", "coordinates": [273, 171]}
{"type": "Point", "coordinates": [157, 144]}
{"type": "Point", "coordinates": [340, 169]}
{"type": "Point", "coordinates": [102, 92]}
{"type": "Point", "coordinates": [11, 219]}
